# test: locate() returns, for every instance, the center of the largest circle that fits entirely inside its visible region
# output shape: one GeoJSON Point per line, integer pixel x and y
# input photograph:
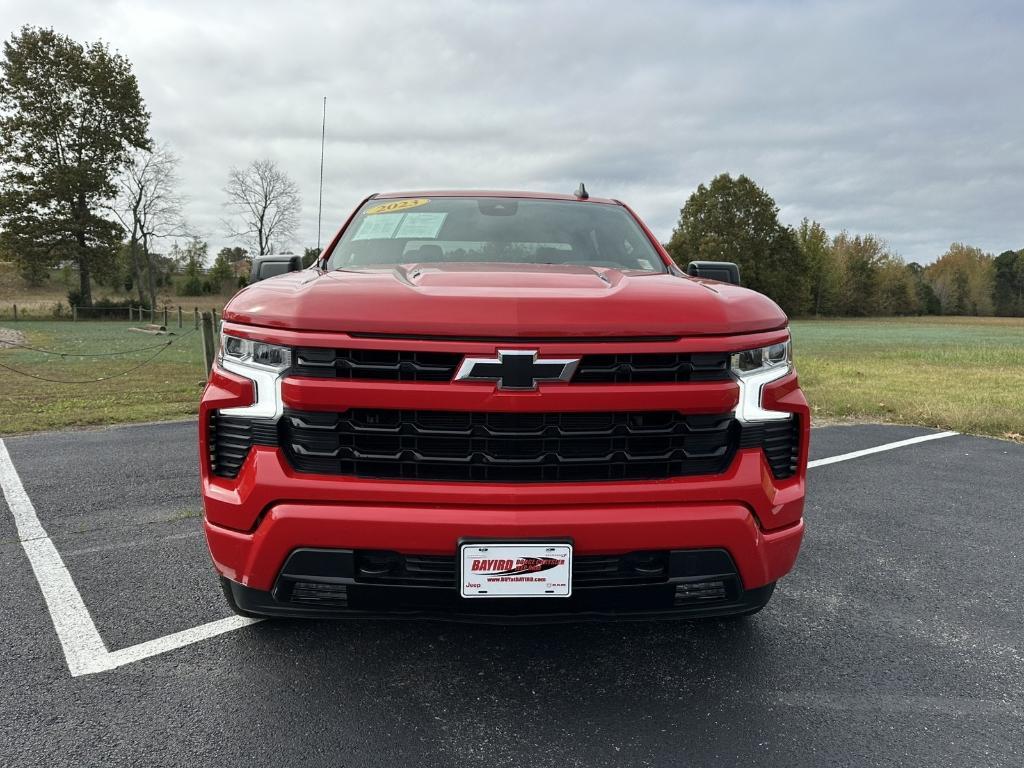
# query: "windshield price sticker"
{"type": "Point", "coordinates": [516, 570]}
{"type": "Point", "coordinates": [378, 227]}
{"type": "Point", "coordinates": [421, 226]}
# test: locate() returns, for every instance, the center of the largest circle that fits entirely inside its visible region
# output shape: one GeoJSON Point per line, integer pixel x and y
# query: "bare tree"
{"type": "Point", "coordinates": [149, 208]}
{"type": "Point", "coordinates": [264, 204]}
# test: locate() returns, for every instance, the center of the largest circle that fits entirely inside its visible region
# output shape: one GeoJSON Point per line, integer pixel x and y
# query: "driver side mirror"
{"type": "Point", "coordinates": [273, 265]}
{"type": "Point", "coordinates": [723, 271]}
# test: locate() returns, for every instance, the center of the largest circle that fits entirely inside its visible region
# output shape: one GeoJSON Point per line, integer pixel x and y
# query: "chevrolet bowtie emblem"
{"type": "Point", "coordinates": [516, 369]}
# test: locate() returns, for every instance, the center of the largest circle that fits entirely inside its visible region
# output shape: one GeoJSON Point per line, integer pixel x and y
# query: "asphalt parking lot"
{"type": "Point", "coordinates": [898, 640]}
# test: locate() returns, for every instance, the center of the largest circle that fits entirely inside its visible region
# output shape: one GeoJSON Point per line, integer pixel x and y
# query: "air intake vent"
{"type": "Point", "coordinates": [701, 592]}
{"type": "Point", "coordinates": [319, 594]}
{"type": "Point", "coordinates": [780, 441]}
{"type": "Point", "coordinates": [392, 568]}
{"type": "Point", "coordinates": [229, 439]}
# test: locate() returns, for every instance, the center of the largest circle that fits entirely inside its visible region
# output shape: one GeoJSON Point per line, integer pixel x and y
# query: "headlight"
{"type": "Point", "coordinates": [255, 353]}
{"type": "Point", "coordinates": [752, 369]}
{"type": "Point", "coordinates": [753, 361]}
{"type": "Point", "coordinates": [263, 365]}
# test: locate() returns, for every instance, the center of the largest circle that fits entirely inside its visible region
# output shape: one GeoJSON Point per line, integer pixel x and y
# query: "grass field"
{"type": "Point", "coordinates": [965, 374]}
{"type": "Point", "coordinates": [962, 373]}
{"type": "Point", "coordinates": [167, 387]}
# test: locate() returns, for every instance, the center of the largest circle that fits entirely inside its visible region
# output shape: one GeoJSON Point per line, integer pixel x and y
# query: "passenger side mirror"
{"type": "Point", "coordinates": [723, 271]}
{"type": "Point", "coordinates": [272, 265]}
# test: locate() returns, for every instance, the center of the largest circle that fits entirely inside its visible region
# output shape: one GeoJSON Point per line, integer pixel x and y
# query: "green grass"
{"type": "Point", "coordinates": [965, 374]}
{"type": "Point", "coordinates": [168, 387]}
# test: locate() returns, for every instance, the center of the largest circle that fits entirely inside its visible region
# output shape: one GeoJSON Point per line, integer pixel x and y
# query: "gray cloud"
{"type": "Point", "coordinates": [897, 119]}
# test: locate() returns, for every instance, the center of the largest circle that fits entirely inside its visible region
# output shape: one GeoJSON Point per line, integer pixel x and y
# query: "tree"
{"type": "Point", "coordinates": [735, 220]}
{"type": "Point", "coordinates": [822, 270]}
{"type": "Point", "coordinates": [309, 255]}
{"type": "Point", "coordinates": [149, 207]}
{"type": "Point", "coordinates": [69, 115]}
{"type": "Point", "coordinates": [963, 280]}
{"type": "Point", "coordinates": [861, 259]}
{"type": "Point", "coordinates": [1008, 278]}
{"type": "Point", "coordinates": [194, 257]}
{"type": "Point", "coordinates": [222, 271]}
{"type": "Point", "coordinates": [928, 303]}
{"type": "Point", "coordinates": [234, 254]}
{"type": "Point", "coordinates": [264, 206]}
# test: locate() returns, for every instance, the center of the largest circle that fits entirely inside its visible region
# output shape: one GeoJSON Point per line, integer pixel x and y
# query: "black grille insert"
{"type": "Point", "coordinates": [393, 365]}
{"type": "Point", "coordinates": [379, 364]}
{"type": "Point", "coordinates": [508, 447]}
{"type": "Point", "coordinates": [649, 368]}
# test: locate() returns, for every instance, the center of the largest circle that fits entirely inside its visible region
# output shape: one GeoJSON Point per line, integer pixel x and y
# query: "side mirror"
{"type": "Point", "coordinates": [273, 265]}
{"type": "Point", "coordinates": [723, 271]}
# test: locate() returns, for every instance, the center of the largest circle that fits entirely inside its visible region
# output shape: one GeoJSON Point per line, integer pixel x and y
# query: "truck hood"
{"type": "Point", "coordinates": [503, 301]}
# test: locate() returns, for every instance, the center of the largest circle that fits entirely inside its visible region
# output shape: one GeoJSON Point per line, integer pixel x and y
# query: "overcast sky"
{"type": "Point", "coordinates": [901, 119]}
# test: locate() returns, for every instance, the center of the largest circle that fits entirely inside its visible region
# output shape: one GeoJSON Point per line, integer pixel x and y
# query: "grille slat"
{"type": "Point", "coordinates": [508, 447]}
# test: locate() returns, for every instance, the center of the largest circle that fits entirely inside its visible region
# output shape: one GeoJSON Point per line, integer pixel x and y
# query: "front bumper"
{"type": "Point", "coordinates": [256, 520]}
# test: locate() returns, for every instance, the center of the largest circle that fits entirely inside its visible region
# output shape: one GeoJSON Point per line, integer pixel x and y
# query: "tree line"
{"type": "Point", "coordinates": [810, 272]}
{"type": "Point", "coordinates": [83, 182]}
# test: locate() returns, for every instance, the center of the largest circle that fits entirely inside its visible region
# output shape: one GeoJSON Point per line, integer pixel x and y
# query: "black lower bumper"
{"type": "Point", "coordinates": [335, 584]}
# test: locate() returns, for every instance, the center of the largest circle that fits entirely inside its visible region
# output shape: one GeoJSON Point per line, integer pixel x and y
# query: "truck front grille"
{"type": "Point", "coordinates": [508, 447]}
{"type": "Point", "coordinates": [391, 365]}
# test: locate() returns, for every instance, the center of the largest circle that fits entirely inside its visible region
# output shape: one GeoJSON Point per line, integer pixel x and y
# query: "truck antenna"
{"type": "Point", "coordinates": [320, 202]}
{"type": "Point", "coordinates": [581, 192]}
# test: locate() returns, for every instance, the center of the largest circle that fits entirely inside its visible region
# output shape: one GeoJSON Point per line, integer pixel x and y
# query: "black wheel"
{"type": "Point", "coordinates": [229, 598]}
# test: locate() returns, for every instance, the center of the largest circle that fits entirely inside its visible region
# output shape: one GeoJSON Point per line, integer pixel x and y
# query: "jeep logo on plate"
{"type": "Point", "coordinates": [516, 369]}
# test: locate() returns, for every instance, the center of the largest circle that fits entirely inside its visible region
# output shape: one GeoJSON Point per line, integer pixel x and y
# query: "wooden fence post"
{"type": "Point", "coordinates": [207, 322]}
{"type": "Point", "coordinates": [15, 313]}
{"type": "Point", "coordinates": [195, 311]}
{"type": "Point", "coordinates": [179, 315]}
{"type": "Point", "coordinates": [74, 312]}
{"type": "Point", "coordinates": [165, 315]}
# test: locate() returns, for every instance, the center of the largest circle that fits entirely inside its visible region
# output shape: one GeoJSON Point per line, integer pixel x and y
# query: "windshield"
{"type": "Point", "coordinates": [494, 229]}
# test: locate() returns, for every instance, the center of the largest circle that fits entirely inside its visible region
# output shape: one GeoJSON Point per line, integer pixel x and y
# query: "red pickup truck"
{"type": "Point", "coordinates": [503, 407]}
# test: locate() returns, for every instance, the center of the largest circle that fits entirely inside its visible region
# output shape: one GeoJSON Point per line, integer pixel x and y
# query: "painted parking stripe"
{"type": "Point", "coordinates": [84, 649]}
{"type": "Point", "coordinates": [879, 449]}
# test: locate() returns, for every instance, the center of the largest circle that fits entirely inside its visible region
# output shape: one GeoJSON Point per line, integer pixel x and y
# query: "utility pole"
{"type": "Point", "coordinates": [320, 203]}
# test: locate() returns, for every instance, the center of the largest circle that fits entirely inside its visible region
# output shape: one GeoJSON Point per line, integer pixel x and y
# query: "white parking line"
{"type": "Point", "coordinates": [879, 449]}
{"type": "Point", "coordinates": [84, 649]}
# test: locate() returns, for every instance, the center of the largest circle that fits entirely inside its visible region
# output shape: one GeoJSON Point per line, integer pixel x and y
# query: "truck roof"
{"type": "Point", "coordinates": [493, 193]}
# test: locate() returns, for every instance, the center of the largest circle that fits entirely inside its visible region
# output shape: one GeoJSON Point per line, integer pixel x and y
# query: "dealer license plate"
{"type": "Point", "coordinates": [516, 570]}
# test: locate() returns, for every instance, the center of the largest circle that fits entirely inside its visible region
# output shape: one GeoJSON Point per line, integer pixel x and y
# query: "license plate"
{"type": "Point", "coordinates": [516, 570]}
